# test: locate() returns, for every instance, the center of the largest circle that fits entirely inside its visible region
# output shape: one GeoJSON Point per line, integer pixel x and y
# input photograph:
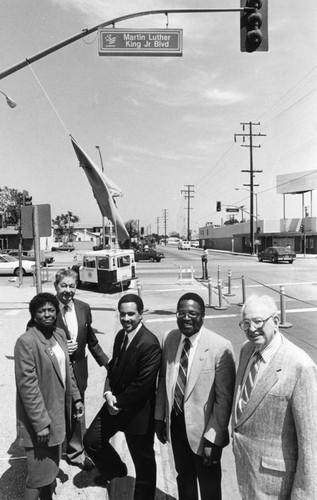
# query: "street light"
{"type": "Point", "coordinates": [10, 102]}
{"type": "Point", "coordinates": [256, 201]}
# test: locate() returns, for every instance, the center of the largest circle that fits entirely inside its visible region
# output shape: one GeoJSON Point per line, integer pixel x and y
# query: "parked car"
{"type": "Point", "coordinates": [276, 254]}
{"type": "Point", "coordinates": [184, 245]}
{"type": "Point", "coordinates": [10, 265]}
{"type": "Point", "coordinates": [65, 247]}
{"type": "Point", "coordinates": [26, 255]}
{"type": "Point", "coordinates": [150, 254]}
{"type": "Point", "coordinates": [194, 244]}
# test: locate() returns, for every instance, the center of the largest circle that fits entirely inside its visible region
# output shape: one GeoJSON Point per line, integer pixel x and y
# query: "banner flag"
{"type": "Point", "coordinates": [103, 190]}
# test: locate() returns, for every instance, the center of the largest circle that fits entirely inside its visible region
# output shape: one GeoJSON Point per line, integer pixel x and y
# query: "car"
{"type": "Point", "coordinates": [65, 247]}
{"type": "Point", "coordinates": [30, 256]}
{"type": "Point", "coordinates": [25, 255]}
{"type": "Point", "coordinates": [194, 244]}
{"type": "Point", "coordinates": [10, 265]}
{"type": "Point", "coordinates": [276, 254]}
{"type": "Point", "coordinates": [150, 254]}
{"type": "Point", "coordinates": [184, 245]}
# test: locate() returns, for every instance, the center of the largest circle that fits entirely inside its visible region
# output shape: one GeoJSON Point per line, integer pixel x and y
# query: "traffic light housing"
{"type": "Point", "coordinates": [254, 26]}
{"type": "Point", "coordinates": [25, 198]}
{"type": "Point", "coordinates": [218, 206]}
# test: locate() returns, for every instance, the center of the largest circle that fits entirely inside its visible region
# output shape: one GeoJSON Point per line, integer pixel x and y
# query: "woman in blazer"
{"type": "Point", "coordinates": [45, 390]}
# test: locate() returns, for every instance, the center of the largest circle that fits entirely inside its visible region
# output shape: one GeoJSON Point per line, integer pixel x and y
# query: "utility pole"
{"type": "Point", "coordinates": [103, 241]}
{"type": "Point", "coordinates": [158, 225]}
{"type": "Point", "coordinates": [164, 221]}
{"type": "Point", "coordinates": [188, 195]}
{"type": "Point", "coordinates": [252, 172]}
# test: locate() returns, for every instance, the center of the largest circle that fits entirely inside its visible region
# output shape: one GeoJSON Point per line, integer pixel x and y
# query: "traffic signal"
{"type": "Point", "coordinates": [218, 206]}
{"type": "Point", "coordinates": [301, 228]}
{"type": "Point", "coordinates": [142, 230]}
{"type": "Point", "coordinates": [25, 199]}
{"type": "Point", "coordinates": [254, 26]}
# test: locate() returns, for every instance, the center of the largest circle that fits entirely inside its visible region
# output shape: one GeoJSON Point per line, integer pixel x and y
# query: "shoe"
{"type": "Point", "coordinates": [87, 464]}
{"type": "Point", "coordinates": [102, 480]}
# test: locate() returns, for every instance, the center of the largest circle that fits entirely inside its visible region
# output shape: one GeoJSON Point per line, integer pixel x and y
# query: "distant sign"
{"type": "Point", "coordinates": [133, 42]}
{"type": "Point", "coordinates": [232, 209]}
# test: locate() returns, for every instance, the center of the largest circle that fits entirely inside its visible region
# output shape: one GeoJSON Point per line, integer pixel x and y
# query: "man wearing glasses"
{"type": "Point", "coordinates": [194, 400]}
{"type": "Point", "coordinates": [274, 411]}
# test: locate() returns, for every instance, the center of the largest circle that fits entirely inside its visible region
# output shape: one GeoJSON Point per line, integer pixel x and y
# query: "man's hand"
{"type": "Point", "coordinates": [72, 346]}
{"type": "Point", "coordinates": [212, 453]}
{"type": "Point", "coordinates": [111, 403]}
{"type": "Point", "coordinates": [160, 430]}
{"type": "Point", "coordinates": [43, 436]}
{"type": "Point", "coordinates": [79, 409]}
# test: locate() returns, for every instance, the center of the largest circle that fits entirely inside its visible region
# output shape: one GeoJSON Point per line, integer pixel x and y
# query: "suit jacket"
{"type": "Point", "coordinates": [86, 337]}
{"type": "Point", "coordinates": [133, 380]}
{"type": "Point", "coordinates": [275, 438]}
{"type": "Point", "coordinates": [209, 389]}
{"type": "Point", "coordinates": [42, 398]}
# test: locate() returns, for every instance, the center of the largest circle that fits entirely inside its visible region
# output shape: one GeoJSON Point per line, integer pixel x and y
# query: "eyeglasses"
{"type": "Point", "coordinates": [190, 314]}
{"type": "Point", "coordinates": [245, 324]}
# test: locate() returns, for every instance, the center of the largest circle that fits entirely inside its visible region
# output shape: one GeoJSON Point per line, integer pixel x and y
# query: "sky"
{"type": "Point", "coordinates": [162, 123]}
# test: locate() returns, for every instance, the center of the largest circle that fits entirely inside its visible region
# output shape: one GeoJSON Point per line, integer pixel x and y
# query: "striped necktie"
{"type": "Point", "coordinates": [249, 383]}
{"type": "Point", "coordinates": [181, 379]}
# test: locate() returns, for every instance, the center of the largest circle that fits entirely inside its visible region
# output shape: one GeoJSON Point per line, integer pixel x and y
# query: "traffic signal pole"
{"type": "Point", "coordinates": [112, 22]}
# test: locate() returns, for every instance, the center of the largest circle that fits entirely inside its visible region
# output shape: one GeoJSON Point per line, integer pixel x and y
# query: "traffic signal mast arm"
{"type": "Point", "coordinates": [87, 31]}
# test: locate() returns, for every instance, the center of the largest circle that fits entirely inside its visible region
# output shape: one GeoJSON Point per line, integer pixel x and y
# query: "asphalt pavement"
{"type": "Point", "coordinates": [160, 297]}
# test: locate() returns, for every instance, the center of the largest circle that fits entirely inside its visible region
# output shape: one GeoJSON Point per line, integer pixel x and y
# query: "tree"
{"type": "Point", "coordinates": [132, 228]}
{"type": "Point", "coordinates": [64, 226]}
{"type": "Point", "coordinates": [9, 206]}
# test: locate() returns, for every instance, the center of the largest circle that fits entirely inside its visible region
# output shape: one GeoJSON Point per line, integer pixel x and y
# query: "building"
{"type": "Point", "coordinates": [299, 233]}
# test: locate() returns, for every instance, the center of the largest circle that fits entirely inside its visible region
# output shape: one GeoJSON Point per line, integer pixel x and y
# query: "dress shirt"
{"type": "Point", "coordinates": [132, 334]}
{"type": "Point", "coordinates": [70, 319]}
{"type": "Point", "coordinates": [60, 356]}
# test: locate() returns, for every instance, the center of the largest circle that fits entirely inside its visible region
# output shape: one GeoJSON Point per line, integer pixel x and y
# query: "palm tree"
{"type": "Point", "coordinates": [64, 226]}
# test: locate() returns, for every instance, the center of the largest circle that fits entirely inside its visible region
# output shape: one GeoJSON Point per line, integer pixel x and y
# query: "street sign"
{"type": "Point", "coordinates": [232, 210]}
{"type": "Point", "coordinates": [45, 222]}
{"type": "Point", "coordinates": [134, 42]}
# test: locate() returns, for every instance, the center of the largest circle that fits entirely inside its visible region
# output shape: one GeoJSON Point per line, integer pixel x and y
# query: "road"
{"type": "Point", "coordinates": [161, 287]}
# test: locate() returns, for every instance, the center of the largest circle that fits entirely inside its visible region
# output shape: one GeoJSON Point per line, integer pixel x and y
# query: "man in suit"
{"type": "Point", "coordinates": [130, 399]}
{"type": "Point", "coordinates": [75, 318]}
{"type": "Point", "coordinates": [274, 411]}
{"type": "Point", "coordinates": [194, 400]}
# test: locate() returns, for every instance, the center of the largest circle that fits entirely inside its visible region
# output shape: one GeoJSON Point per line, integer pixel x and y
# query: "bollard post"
{"type": "Point", "coordinates": [209, 292]}
{"type": "Point", "coordinates": [243, 291]}
{"type": "Point", "coordinates": [283, 323]}
{"type": "Point", "coordinates": [220, 306]}
{"type": "Point", "coordinates": [229, 294]}
{"type": "Point", "coordinates": [139, 289]}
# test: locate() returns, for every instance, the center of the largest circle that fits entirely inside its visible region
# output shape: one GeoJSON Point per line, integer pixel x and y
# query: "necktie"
{"type": "Point", "coordinates": [181, 379]}
{"type": "Point", "coordinates": [249, 383]}
{"type": "Point", "coordinates": [65, 309]}
{"type": "Point", "coordinates": [123, 348]}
